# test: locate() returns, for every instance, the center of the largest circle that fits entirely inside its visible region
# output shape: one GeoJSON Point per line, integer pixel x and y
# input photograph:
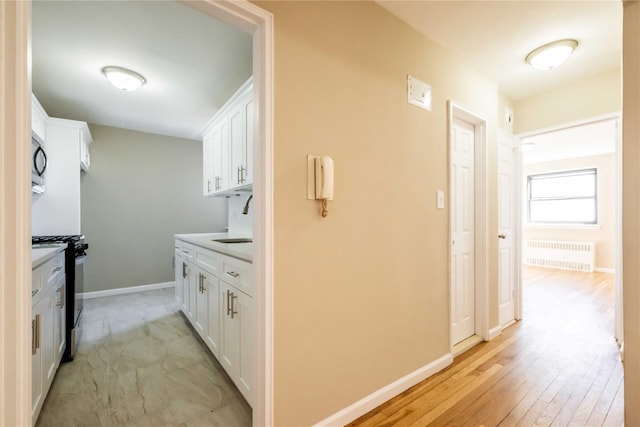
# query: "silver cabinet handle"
{"type": "Point", "coordinates": [228, 303]}
{"type": "Point", "coordinates": [33, 293]}
{"type": "Point", "coordinates": [61, 302]}
{"type": "Point", "coordinates": [501, 236]}
{"type": "Point", "coordinates": [55, 270]}
{"type": "Point", "coordinates": [233, 304]}
{"type": "Point", "coordinates": [200, 282]}
{"type": "Point", "coordinates": [184, 270]}
{"type": "Point", "coordinates": [209, 185]}
{"type": "Point", "coordinates": [233, 274]}
{"type": "Point", "coordinates": [34, 333]}
{"type": "Point", "coordinates": [202, 279]}
{"type": "Point", "coordinates": [238, 174]}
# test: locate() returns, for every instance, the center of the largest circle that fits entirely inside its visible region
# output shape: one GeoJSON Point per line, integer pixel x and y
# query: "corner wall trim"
{"type": "Point", "coordinates": [127, 290]}
{"type": "Point", "coordinates": [387, 392]}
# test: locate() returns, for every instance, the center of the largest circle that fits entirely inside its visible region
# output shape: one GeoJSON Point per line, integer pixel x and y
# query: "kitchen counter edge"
{"type": "Point", "coordinates": [40, 255]}
{"type": "Point", "coordinates": [242, 251]}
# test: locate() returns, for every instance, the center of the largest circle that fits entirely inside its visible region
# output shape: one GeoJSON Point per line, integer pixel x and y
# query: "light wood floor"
{"type": "Point", "coordinates": [558, 366]}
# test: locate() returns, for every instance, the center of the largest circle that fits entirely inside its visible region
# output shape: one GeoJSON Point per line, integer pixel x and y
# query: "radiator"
{"type": "Point", "coordinates": [580, 256]}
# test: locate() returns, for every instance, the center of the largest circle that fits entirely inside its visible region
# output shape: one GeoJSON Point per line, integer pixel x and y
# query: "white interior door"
{"type": "Point", "coordinates": [507, 232]}
{"type": "Point", "coordinates": [462, 199]}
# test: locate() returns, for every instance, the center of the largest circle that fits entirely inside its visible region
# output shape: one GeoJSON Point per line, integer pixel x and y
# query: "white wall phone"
{"type": "Point", "coordinates": [320, 180]}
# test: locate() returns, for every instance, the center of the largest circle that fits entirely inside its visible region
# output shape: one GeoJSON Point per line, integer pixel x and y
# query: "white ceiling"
{"type": "Point", "coordinates": [192, 63]}
{"type": "Point", "coordinates": [496, 36]}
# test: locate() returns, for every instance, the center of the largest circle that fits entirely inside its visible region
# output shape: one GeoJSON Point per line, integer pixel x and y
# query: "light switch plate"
{"type": "Point", "coordinates": [418, 93]}
{"type": "Point", "coordinates": [440, 199]}
{"type": "Point", "coordinates": [508, 119]}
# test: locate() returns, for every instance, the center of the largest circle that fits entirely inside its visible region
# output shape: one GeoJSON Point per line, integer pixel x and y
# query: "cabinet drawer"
{"type": "Point", "coordinates": [185, 249]}
{"type": "Point", "coordinates": [208, 260]}
{"type": "Point", "coordinates": [47, 274]}
{"type": "Point", "coordinates": [238, 274]}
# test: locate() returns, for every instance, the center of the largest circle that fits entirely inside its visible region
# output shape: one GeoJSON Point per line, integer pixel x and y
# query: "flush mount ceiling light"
{"type": "Point", "coordinates": [123, 78]}
{"type": "Point", "coordinates": [552, 54]}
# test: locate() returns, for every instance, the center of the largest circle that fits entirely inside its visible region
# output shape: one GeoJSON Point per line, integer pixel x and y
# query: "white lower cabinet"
{"type": "Point", "coordinates": [47, 329]}
{"type": "Point", "coordinates": [236, 349]}
{"type": "Point", "coordinates": [218, 311]}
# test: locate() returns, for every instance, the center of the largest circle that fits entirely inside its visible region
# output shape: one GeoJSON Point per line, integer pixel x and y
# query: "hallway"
{"type": "Point", "coordinates": [559, 366]}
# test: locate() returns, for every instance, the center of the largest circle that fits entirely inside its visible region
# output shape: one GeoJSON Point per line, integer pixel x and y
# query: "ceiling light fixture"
{"type": "Point", "coordinates": [123, 78]}
{"type": "Point", "coordinates": [550, 55]}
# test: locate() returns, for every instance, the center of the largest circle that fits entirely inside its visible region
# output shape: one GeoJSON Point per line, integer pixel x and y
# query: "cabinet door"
{"type": "Point", "coordinates": [208, 184]}
{"type": "Point", "coordinates": [212, 285]}
{"type": "Point", "coordinates": [191, 288]}
{"type": "Point", "coordinates": [201, 321]}
{"type": "Point", "coordinates": [59, 319]}
{"type": "Point", "coordinates": [236, 340]}
{"type": "Point", "coordinates": [37, 367]}
{"type": "Point", "coordinates": [48, 333]}
{"type": "Point", "coordinates": [237, 139]}
{"type": "Point", "coordinates": [243, 304]}
{"type": "Point", "coordinates": [229, 331]}
{"type": "Point", "coordinates": [221, 156]}
{"type": "Point", "coordinates": [179, 292]}
{"type": "Point", "coordinates": [249, 132]}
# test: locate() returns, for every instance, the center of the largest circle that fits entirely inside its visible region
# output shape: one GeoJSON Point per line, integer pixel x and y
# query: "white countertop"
{"type": "Point", "coordinates": [42, 254]}
{"type": "Point", "coordinates": [243, 251]}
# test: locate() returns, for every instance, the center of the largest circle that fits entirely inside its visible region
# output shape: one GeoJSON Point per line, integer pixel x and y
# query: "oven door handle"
{"type": "Point", "coordinates": [81, 260]}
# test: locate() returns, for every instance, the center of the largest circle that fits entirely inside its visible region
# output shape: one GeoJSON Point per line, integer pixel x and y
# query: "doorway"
{"type": "Point", "coordinates": [15, 89]}
{"type": "Point", "coordinates": [467, 229]}
{"type": "Point", "coordinates": [571, 195]}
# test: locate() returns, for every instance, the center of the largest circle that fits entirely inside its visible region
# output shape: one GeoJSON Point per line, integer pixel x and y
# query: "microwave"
{"type": "Point", "coordinates": [38, 164]}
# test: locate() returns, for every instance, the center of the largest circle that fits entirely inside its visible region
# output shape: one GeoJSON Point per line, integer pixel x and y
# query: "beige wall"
{"type": "Point", "coordinates": [361, 297]}
{"type": "Point", "coordinates": [582, 99]}
{"type": "Point", "coordinates": [631, 211]}
{"type": "Point", "coordinates": [605, 235]}
{"type": "Point", "coordinates": [140, 191]}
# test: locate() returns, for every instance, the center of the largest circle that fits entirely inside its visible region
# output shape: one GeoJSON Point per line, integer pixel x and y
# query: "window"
{"type": "Point", "coordinates": [563, 197]}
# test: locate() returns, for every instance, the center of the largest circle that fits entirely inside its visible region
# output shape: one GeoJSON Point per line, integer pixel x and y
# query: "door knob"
{"type": "Point", "coordinates": [501, 236]}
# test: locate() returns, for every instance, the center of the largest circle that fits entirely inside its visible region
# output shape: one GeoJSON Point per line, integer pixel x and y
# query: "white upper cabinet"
{"type": "Point", "coordinates": [38, 118]}
{"type": "Point", "coordinates": [227, 146]}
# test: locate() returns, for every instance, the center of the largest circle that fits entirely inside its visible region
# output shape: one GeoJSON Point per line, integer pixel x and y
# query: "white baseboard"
{"type": "Point", "coordinates": [384, 394]}
{"type": "Point", "coordinates": [494, 332]}
{"type": "Point", "coordinates": [605, 270]}
{"type": "Point", "coordinates": [128, 290]}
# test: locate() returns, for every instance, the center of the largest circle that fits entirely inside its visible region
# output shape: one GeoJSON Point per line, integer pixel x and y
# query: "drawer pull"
{"type": "Point", "coordinates": [61, 302]}
{"type": "Point", "coordinates": [228, 303]}
{"type": "Point", "coordinates": [33, 293]}
{"type": "Point", "coordinates": [55, 270]}
{"type": "Point", "coordinates": [233, 274]}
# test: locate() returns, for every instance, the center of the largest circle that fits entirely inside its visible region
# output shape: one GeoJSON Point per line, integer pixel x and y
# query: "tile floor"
{"type": "Point", "coordinates": [139, 364]}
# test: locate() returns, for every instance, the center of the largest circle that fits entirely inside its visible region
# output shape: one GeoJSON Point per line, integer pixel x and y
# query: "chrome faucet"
{"type": "Point", "coordinates": [246, 206]}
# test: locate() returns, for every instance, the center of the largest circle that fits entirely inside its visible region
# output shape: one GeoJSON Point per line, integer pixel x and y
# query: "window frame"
{"type": "Point", "coordinates": [575, 172]}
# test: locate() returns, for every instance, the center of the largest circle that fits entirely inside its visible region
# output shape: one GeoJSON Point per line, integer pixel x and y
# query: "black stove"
{"type": "Point", "coordinates": [75, 257]}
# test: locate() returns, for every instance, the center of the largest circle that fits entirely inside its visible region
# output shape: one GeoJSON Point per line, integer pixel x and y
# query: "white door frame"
{"type": "Point", "coordinates": [456, 111]}
{"type": "Point", "coordinates": [617, 116]}
{"type": "Point", "coordinates": [15, 198]}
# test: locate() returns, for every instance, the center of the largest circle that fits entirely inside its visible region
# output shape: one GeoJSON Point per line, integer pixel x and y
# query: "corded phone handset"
{"type": "Point", "coordinates": [324, 181]}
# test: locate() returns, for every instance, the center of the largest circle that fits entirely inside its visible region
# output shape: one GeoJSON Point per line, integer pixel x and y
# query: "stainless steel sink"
{"type": "Point", "coordinates": [236, 240]}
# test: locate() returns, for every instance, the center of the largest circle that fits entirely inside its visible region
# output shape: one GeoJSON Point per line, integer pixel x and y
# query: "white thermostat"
{"type": "Point", "coordinates": [418, 93]}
